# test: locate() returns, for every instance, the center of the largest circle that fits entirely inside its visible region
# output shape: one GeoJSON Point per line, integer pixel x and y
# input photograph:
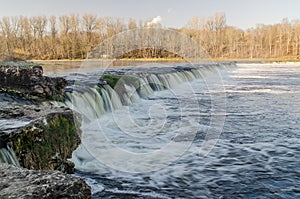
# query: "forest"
{"type": "Point", "coordinates": [74, 36]}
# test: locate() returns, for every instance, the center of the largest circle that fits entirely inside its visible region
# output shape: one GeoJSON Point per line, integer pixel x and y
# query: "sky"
{"type": "Point", "coordinates": [172, 13]}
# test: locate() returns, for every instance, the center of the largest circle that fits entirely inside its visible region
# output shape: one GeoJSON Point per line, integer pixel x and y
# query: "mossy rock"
{"type": "Point", "coordinates": [115, 80]}
{"type": "Point", "coordinates": [46, 143]}
{"type": "Point", "coordinates": [118, 84]}
{"type": "Point", "coordinates": [111, 80]}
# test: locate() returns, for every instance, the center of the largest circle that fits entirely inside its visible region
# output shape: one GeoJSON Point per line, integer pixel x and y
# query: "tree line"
{"type": "Point", "coordinates": [74, 36]}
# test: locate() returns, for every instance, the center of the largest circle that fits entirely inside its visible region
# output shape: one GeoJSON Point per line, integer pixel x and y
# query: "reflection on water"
{"type": "Point", "coordinates": [60, 67]}
{"type": "Point", "coordinates": [257, 155]}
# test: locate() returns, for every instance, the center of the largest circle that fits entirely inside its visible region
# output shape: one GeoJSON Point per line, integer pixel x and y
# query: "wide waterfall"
{"type": "Point", "coordinates": [94, 100]}
{"type": "Point", "coordinates": [140, 102]}
{"type": "Point", "coordinates": [160, 132]}
{"type": "Point", "coordinates": [7, 155]}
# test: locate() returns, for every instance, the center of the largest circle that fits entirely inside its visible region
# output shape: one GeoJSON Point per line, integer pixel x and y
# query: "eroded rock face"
{"type": "Point", "coordinates": [27, 79]}
{"type": "Point", "coordinates": [22, 183]}
{"type": "Point", "coordinates": [42, 137]}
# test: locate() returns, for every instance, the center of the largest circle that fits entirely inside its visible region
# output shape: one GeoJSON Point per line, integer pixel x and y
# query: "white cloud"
{"type": "Point", "coordinates": [155, 20]}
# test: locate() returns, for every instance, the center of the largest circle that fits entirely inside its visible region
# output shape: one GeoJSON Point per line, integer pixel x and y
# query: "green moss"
{"type": "Point", "coordinates": [47, 146]}
{"type": "Point", "coordinates": [59, 134]}
{"type": "Point", "coordinates": [11, 92]}
{"type": "Point", "coordinates": [111, 80]}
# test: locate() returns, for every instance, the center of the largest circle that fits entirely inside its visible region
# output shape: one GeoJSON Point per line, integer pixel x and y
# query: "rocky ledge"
{"type": "Point", "coordinates": [27, 80]}
{"type": "Point", "coordinates": [42, 135]}
{"type": "Point", "coordinates": [22, 183]}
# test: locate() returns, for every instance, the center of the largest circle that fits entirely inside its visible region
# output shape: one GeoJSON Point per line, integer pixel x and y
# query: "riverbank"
{"type": "Point", "coordinates": [178, 60]}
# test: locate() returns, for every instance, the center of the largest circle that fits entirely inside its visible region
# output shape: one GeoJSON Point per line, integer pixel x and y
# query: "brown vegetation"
{"type": "Point", "coordinates": [74, 36]}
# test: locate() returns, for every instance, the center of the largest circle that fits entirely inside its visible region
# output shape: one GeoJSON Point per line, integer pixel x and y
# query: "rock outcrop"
{"type": "Point", "coordinates": [22, 183]}
{"type": "Point", "coordinates": [41, 134]}
{"type": "Point", "coordinates": [42, 137]}
{"type": "Point", "coordinates": [26, 79]}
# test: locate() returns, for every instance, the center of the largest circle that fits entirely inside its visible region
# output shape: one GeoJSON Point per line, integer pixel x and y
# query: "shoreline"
{"type": "Point", "coordinates": [175, 60]}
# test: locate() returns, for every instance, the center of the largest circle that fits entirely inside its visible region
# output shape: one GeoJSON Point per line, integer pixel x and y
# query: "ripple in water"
{"type": "Point", "coordinates": [256, 156]}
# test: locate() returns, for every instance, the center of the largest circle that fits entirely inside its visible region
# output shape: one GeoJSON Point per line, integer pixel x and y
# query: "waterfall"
{"type": "Point", "coordinates": [7, 155]}
{"type": "Point", "coordinates": [125, 107]}
{"type": "Point", "coordinates": [94, 101]}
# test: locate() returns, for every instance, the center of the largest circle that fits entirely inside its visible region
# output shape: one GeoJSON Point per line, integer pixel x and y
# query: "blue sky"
{"type": "Point", "coordinates": [174, 13]}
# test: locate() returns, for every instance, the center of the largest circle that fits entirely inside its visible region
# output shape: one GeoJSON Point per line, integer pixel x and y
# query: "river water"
{"type": "Point", "coordinates": [256, 155]}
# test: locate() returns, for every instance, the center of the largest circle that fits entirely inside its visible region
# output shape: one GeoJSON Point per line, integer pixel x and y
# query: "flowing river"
{"type": "Point", "coordinates": [210, 132]}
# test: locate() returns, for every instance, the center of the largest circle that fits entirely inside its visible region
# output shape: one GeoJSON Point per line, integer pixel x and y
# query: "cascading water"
{"type": "Point", "coordinates": [152, 113]}
{"type": "Point", "coordinates": [172, 116]}
{"type": "Point", "coordinates": [7, 155]}
{"type": "Point", "coordinates": [93, 101]}
{"type": "Point", "coordinates": [126, 149]}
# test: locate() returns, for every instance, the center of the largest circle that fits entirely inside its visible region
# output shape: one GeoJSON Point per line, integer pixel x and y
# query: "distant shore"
{"type": "Point", "coordinates": [118, 62]}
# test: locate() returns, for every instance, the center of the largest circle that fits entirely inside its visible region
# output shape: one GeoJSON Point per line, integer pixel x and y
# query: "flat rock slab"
{"type": "Point", "coordinates": [22, 183]}
{"type": "Point", "coordinates": [14, 115]}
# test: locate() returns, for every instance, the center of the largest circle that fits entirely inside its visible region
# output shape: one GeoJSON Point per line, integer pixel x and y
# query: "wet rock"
{"type": "Point", "coordinates": [37, 89]}
{"type": "Point", "coordinates": [22, 183]}
{"type": "Point", "coordinates": [2, 144]}
{"type": "Point", "coordinates": [8, 113]}
{"type": "Point", "coordinates": [42, 137]}
{"type": "Point", "coordinates": [37, 71]}
{"type": "Point", "coordinates": [111, 80]}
